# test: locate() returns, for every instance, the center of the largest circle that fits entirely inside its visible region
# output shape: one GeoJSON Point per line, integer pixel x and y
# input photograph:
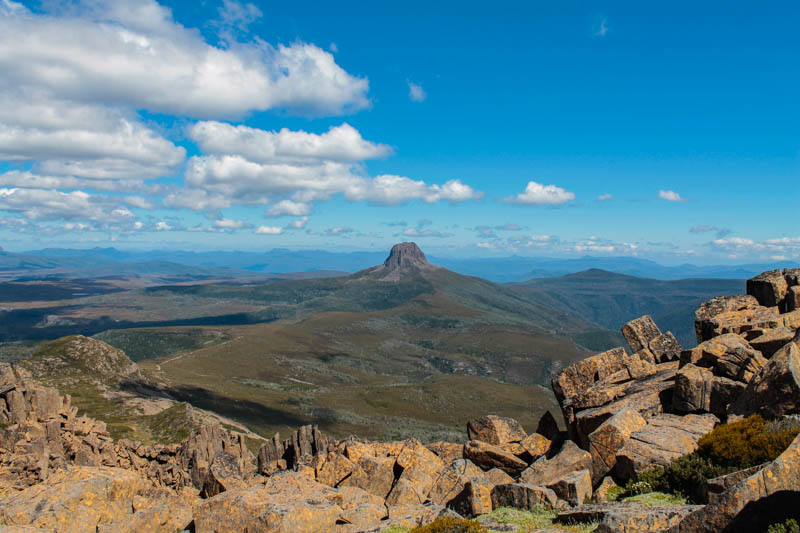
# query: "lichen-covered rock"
{"type": "Point", "coordinates": [600, 494]}
{"type": "Point", "coordinates": [447, 451]}
{"type": "Point", "coordinates": [372, 474]}
{"type": "Point", "coordinates": [640, 332]}
{"type": "Point", "coordinates": [627, 517]}
{"type": "Point", "coordinates": [534, 446]}
{"type": "Point", "coordinates": [775, 391]}
{"type": "Point", "coordinates": [609, 438]}
{"type": "Point", "coordinates": [665, 438]}
{"type": "Point", "coordinates": [698, 389]}
{"type": "Point", "coordinates": [497, 477]}
{"type": "Point", "coordinates": [453, 479]}
{"type": "Point", "coordinates": [488, 456]}
{"type": "Point", "coordinates": [579, 376]}
{"type": "Point", "coordinates": [522, 496]}
{"type": "Point", "coordinates": [312, 507]}
{"type": "Point", "coordinates": [333, 468]}
{"type": "Point", "coordinates": [769, 341]}
{"type": "Point", "coordinates": [420, 470]}
{"type": "Point", "coordinates": [411, 516]}
{"type": "Point", "coordinates": [223, 474]}
{"type": "Point", "coordinates": [769, 288]}
{"type": "Point", "coordinates": [360, 509]}
{"type": "Point", "coordinates": [793, 298]}
{"type": "Point", "coordinates": [665, 347]}
{"type": "Point", "coordinates": [574, 488]}
{"type": "Point", "coordinates": [495, 430]}
{"type": "Point", "coordinates": [569, 459]}
{"type": "Point", "coordinates": [729, 511]}
{"type": "Point", "coordinates": [75, 500]}
{"type": "Point", "coordinates": [475, 499]}
{"type": "Point", "coordinates": [732, 314]}
{"type": "Point", "coordinates": [729, 355]}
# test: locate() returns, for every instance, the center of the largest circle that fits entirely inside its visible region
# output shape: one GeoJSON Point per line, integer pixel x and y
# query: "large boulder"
{"type": "Point", "coordinates": [793, 299]}
{"type": "Point", "coordinates": [75, 500]}
{"type": "Point", "coordinates": [447, 451]}
{"type": "Point", "coordinates": [360, 509]}
{"type": "Point", "coordinates": [755, 502]}
{"type": "Point", "coordinates": [665, 438]}
{"type": "Point", "coordinates": [699, 390]}
{"type": "Point", "coordinates": [522, 496]}
{"type": "Point", "coordinates": [610, 437]}
{"type": "Point", "coordinates": [775, 391]}
{"type": "Point", "coordinates": [453, 479]}
{"type": "Point", "coordinates": [495, 430]}
{"type": "Point", "coordinates": [333, 468]}
{"type": "Point", "coordinates": [769, 341]}
{"type": "Point", "coordinates": [475, 499]}
{"type": "Point", "coordinates": [640, 332]}
{"type": "Point", "coordinates": [579, 376]}
{"type": "Point", "coordinates": [729, 355]}
{"type": "Point", "coordinates": [488, 456]}
{"type": "Point", "coordinates": [769, 288]}
{"type": "Point", "coordinates": [372, 474]}
{"type": "Point", "coordinates": [733, 314]}
{"type": "Point", "coordinates": [665, 347]}
{"type": "Point", "coordinates": [312, 507]}
{"type": "Point", "coordinates": [574, 488]}
{"type": "Point", "coordinates": [626, 517]}
{"type": "Point", "coordinates": [420, 469]}
{"type": "Point", "coordinates": [568, 460]}
{"type": "Point", "coordinates": [225, 473]}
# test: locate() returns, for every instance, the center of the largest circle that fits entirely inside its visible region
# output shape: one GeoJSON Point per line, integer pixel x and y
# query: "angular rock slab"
{"type": "Point", "coordinates": [568, 460]}
{"type": "Point", "coordinates": [609, 438]}
{"type": "Point", "coordinates": [488, 456]}
{"type": "Point", "coordinates": [775, 391]}
{"type": "Point", "coordinates": [665, 438]}
{"type": "Point", "coordinates": [769, 288]}
{"type": "Point", "coordinates": [522, 496]}
{"type": "Point", "coordinates": [495, 430]}
{"type": "Point", "coordinates": [312, 507]}
{"type": "Point", "coordinates": [627, 517]}
{"type": "Point", "coordinates": [727, 511]}
{"type": "Point", "coordinates": [698, 389]}
{"type": "Point", "coordinates": [75, 500]}
{"type": "Point", "coordinates": [640, 332]}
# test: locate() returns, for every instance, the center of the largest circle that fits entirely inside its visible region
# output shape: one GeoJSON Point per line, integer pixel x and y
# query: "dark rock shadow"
{"type": "Point", "coordinates": [757, 516]}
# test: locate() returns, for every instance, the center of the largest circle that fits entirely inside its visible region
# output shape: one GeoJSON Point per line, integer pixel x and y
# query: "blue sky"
{"type": "Point", "coordinates": [666, 131]}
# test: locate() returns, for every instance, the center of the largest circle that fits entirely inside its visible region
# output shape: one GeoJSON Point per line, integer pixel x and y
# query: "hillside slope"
{"type": "Point", "coordinates": [609, 299]}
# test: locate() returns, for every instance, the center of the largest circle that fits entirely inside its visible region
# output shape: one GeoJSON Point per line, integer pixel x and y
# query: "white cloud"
{"type": "Point", "coordinates": [289, 208]}
{"type": "Point", "coordinates": [340, 143]}
{"type": "Point", "coordinates": [670, 196]}
{"type": "Point", "coordinates": [604, 197]}
{"type": "Point", "coordinates": [133, 53]}
{"type": "Point", "coordinates": [269, 230]}
{"type": "Point", "coordinates": [300, 223]}
{"type": "Point", "coordinates": [229, 224]}
{"type": "Point", "coordinates": [538, 194]}
{"type": "Point", "coordinates": [416, 93]}
{"type": "Point", "coordinates": [388, 189]}
{"type": "Point", "coordinates": [42, 204]}
{"type": "Point", "coordinates": [413, 232]}
{"type": "Point", "coordinates": [602, 28]}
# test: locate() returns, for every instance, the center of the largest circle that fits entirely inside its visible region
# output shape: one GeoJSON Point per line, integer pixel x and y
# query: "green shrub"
{"type": "Point", "coordinates": [447, 524]}
{"type": "Point", "coordinates": [790, 526]}
{"type": "Point", "coordinates": [685, 476]}
{"type": "Point", "coordinates": [747, 442]}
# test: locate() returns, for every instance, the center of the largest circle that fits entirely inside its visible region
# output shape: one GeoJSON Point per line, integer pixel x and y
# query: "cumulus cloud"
{"type": "Point", "coordinates": [300, 223]}
{"type": "Point", "coordinates": [744, 247]}
{"type": "Point", "coordinates": [340, 143]}
{"type": "Point", "coordinates": [416, 93]}
{"type": "Point", "coordinates": [670, 196]}
{"type": "Point", "coordinates": [604, 197]}
{"type": "Point", "coordinates": [538, 194]}
{"type": "Point", "coordinates": [269, 230]}
{"type": "Point", "coordinates": [132, 52]}
{"type": "Point", "coordinates": [43, 204]}
{"type": "Point", "coordinates": [289, 208]}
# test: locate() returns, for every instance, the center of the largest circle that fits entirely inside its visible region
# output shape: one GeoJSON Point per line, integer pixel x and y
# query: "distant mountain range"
{"type": "Point", "coordinates": [76, 262]}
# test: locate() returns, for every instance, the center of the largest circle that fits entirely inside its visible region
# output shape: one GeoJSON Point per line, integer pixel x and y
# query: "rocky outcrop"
{"type": "Point", "coordinates": [627, 517]}
{"type": "Point", "coordinates": [746, 506]}
{"type": "Point", "coordinates": [775, 391]}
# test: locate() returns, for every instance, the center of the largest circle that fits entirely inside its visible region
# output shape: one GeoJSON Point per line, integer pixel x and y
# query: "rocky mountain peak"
{"type": "Point", "coordinates": [406, 255]}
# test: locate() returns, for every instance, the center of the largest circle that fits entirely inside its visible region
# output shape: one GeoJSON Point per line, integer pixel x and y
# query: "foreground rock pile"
{"type": "Point", "coordinates": [624, 413]}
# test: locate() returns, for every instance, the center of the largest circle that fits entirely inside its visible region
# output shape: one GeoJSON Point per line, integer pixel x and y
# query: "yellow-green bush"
{"type": "Point", "coordinates": [747, 442]}
{"type": "Point", "coordinates": [447, 524]}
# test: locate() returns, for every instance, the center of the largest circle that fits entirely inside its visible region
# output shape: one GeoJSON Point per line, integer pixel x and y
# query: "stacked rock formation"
{"type": "Point", "coordinates": [624, 413]}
